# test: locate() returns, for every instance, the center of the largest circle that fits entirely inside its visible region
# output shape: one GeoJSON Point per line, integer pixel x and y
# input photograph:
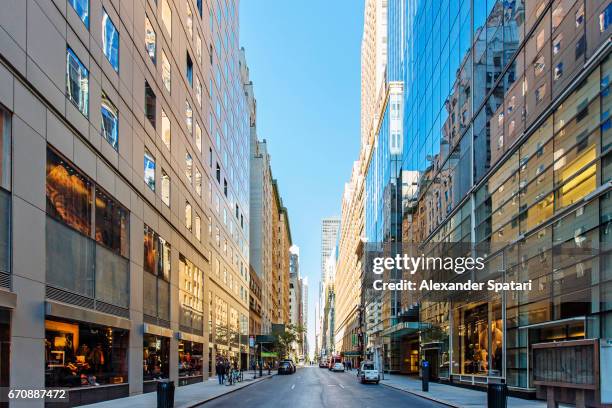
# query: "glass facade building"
{"type": "Point", "coordinates": [505, 122]}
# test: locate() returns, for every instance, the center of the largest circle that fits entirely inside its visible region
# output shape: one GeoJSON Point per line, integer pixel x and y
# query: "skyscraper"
{"type": "Point", "coordinates": [494, 134]}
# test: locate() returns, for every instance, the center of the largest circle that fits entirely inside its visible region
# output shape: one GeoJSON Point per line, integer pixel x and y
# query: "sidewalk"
{"type": "Point", "coordinates": [187, 396]}
{"type": "Point", "coordinates": [451, 395]}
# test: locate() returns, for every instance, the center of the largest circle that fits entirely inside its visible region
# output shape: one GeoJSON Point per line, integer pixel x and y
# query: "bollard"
{"type": "Point", "coordinates": [165, 394]}
{"type": "Point", "coordinates": [497, 395]}
{"type": "Point", "coordinates": [425, 376]}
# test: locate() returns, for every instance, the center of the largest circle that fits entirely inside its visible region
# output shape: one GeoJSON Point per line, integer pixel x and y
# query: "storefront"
{"type": "Point", "coordinates": [88, 358]}
{"type": "Point", "coordinates": [155, 360]}
{"type": "Point", "coordinates": [190, 360]}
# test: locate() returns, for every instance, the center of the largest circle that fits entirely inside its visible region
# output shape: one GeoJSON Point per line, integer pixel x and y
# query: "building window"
{"type": "Point", "coordinates": [191, 356]}
{"type": "Point", "coordinates": [557, 44]}
{"type": "Point", "coordinates": [110, 121]}
{"type": "Point", "coordinates": [189, 22]}
{"type": "Point", "coordinates": [189, 72]}
{"type": "Point", "coordinates": [149, 169]}
{"type": "Point", "coordinates": [198, 136]}
{"type": "Point", "coordinates": [198, 91]}
{"type": "Point", "coordinates": [198, 225]}
{"type": "Point", "coordinates": [188, 166]}
{"type": "Point", "coordinates": [218, 173]}
{"type": "Point", "coordinates": [165, 188]}
{"type": "Point", "coordinates": [111, 223]}
{"type": "Point", "coordinates": [156, 255]}
{"type": "Point", "coordinates": [210, 157]}
{"type": "Point", "coordinates": [150, 104]}
{"type": "Point", "coordinates": [167, 17]}
{"type": "Point", "coordinates": [77, 82]}
{"type": "Point", "coordinates": [69, 194]}
{"type": "Point", "coordinates": [82, 9]}
{"type": "Point", "coordinates": [558, 71]}
{"type": "Point", "coordinates": [110, 41]}
{"type": "Point", "coordinates": [5, 148]}
{"type": "Point", "coordinates": [198, 182]}
{"type": "Point", "coordinates": [580, 16]}
{"type": "Point", "coordinates": [605, 18]}
{"type": "Point", "coordinates": [155, 357]}
{"type": "Point", "coordinates": [199, 4]}
{"type": "Point", "coordinates": [199, 48]}
{"type": "Point", "coordinates": [150, 41]}
{"type": "Point", "coordinates": [5, 197]}
{"type": "Point", "coordinates": [188, 222]}
{"type": "Point", "coordinates": [74, 262]}
{"type": "Point", "coordinates": [189, 117]}
{"type": "Point", "coordinates": [84, 354]}
{"type": "Point", "coordinates": [539, 65]}
{"type": "Point", "coordinates": [191, 299]}
{"type": "Point", "coordinates": [166, 129]}
{"type": "Point", "coordinates": [166, 71]}
{"type": "Point", "coordinates": [540, 93]}
{"type": "Point", "coordinates": [225, 187]}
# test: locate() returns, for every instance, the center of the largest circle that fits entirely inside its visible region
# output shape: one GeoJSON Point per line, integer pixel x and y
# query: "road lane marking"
{"type": "Point", "coordinates": [341, 386]}
{"type": "Point", "coordinates": [293, 386]}
{"type": "Point", "coordinates": [331, 385]}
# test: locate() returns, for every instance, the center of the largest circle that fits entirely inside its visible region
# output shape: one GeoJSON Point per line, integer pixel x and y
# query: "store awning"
{"type": "Point", "coordinates": [401, 329]}
{"type": "Point", "coordinates": [350, 353]}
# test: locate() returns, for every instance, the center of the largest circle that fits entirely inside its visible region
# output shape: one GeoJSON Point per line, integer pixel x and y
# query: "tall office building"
{"type": "Point", "coordinates": [350, 335]}
{"type": "Point", "coordinates": [329, 241]}
{"type": "Point", "coordinates": [124, 195]}
{"type": "Point", "coordinates": [494, 132]}
{"type": "Point", "coordinates": [329, 235]}
{"type": "Point", "coordinates": [305, 315]}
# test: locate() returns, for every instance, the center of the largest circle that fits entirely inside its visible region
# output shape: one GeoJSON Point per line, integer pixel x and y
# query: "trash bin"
{"type": "Point", "coordinates": [497, 395]}
{"type": "Point", "coordinates": [165, 394]}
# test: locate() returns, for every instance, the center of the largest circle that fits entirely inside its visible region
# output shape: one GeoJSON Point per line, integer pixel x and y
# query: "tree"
{"type": "Point", "coordinates": [284, 341]}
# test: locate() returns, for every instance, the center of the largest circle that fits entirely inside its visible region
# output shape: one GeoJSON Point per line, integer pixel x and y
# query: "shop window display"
{"type": "Point", "coordinates": [156, 357]}
{"type": "Point", "coordinates": [191, 355]}
{"type": "Point", "coordinates": [84, 354]}
{"type": "Point", "coordinates": [480, 340]}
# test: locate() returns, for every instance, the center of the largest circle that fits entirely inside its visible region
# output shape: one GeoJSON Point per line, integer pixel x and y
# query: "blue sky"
{"type": "Point", "coordinates": [304, 60]}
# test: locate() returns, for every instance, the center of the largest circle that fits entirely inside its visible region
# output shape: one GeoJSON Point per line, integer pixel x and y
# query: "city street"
{"type": "Point", "coordinates": [318, 387]}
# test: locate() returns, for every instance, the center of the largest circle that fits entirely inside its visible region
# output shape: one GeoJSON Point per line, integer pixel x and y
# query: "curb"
{"type": "Point", "coordinates": [422, 395]}
{"type": "Point", "coordinates": [229, 392]}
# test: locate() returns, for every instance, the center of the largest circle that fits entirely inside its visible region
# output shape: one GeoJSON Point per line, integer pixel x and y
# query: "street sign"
{"type": "Point", "coordinates": [269, 354]}
{"type": "Point", "coordinates": [264, 338]}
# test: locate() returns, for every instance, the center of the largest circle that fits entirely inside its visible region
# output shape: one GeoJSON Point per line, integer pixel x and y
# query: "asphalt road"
{"type": "Point", "coordinates": [317, 387]}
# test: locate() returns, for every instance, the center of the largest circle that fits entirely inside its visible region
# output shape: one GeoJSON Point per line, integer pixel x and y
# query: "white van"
{"type": "Point", "coordinates": [368, 373]}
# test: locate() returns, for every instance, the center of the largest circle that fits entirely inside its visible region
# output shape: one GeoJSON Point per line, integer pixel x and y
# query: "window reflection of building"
{"type": "Point", "coordinates": [87, 247]}
{"type": "Point", "coordinates": [191, 297]}
{"type": "Point", "coordinates": [84, 354]}
{"type": "Point", "coordinates": [156, 278]}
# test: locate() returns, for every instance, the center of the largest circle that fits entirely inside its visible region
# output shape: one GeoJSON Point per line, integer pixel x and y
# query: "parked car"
{"type": "Point", "coordinates": [285, 367]}
{"type": "Point", "coordinates": [338, 367]}
{"type": "Point", "coordinates": [368, 373]}
{"type": "Point", "coordinates": [322, 363]}
{"type": "Point", "coordinates": [293, 366]}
